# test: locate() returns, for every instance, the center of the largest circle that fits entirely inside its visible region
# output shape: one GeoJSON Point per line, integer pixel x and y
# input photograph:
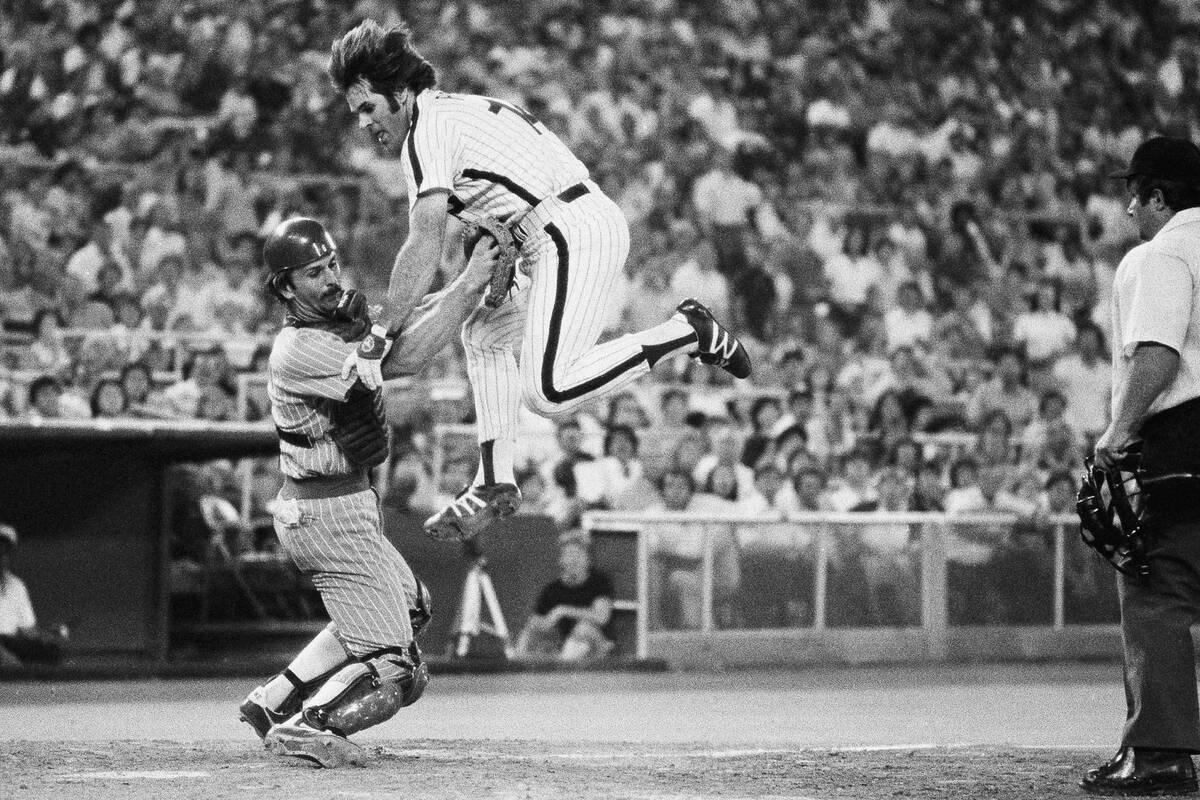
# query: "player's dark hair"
{"type": "Point", "coordinates": [385, 58]}
{"type": "Point", "coordinates": [1177, 195]}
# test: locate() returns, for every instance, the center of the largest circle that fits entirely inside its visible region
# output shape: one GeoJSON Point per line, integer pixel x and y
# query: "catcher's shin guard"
{"type": "Point", "coordinates": [256, 712]}
{"type": "Point", "coordinates": [366, 693]}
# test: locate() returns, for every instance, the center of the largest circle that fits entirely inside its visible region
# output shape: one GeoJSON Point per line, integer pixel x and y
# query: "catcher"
{"type": "Point", "coordinates": [365, 666]}
{"type": "Point", "coordinates": [1140, 504]}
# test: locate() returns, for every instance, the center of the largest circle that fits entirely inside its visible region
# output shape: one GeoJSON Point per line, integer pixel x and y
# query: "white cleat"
{"type": "Point", "coordinates": [323, 748]}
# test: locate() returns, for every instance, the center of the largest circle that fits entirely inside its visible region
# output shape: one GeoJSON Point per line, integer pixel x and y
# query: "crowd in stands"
{"type": "Point", "coordinates": [902, 207]}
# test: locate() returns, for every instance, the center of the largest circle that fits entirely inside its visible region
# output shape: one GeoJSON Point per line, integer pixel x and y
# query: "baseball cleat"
{"type": "Point", "coordinates": [718, 346]}
{"type": "Point", "coordinates": [473, 510]}
{"type": "Point", "coordinates": [297, 739]}
{"type": "Point", "coordinates": [254, 712]}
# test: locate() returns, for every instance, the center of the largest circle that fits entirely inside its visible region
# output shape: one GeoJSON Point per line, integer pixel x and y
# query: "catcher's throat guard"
{"type": "Point", "coordinates": [1111, 504]}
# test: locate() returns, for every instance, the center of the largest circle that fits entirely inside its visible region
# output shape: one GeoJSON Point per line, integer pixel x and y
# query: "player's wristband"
{"type": "Point", "coordinates": [375, 344]}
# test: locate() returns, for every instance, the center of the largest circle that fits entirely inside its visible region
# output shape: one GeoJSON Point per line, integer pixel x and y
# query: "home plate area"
{"type": "Point", "coordinates": [452, 770]}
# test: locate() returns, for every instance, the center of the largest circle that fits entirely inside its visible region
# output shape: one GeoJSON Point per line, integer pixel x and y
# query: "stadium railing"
{"type": "Point", "coordinates": [856, 586]}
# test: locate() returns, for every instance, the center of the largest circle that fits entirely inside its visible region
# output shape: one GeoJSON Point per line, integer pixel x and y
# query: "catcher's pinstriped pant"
{"type": "Point", "coordinates": [366, 584]}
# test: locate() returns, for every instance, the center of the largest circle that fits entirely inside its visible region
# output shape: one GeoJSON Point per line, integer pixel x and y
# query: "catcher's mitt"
{"type": "Point", "coordinates": [505, 270]}
{"type": "Point", "coordinates": [1110, 504]}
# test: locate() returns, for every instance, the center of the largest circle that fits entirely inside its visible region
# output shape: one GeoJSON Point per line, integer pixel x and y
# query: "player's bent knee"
{"type": "Point", "coordinates": [366, 693]}
{"type": "Point", "coordinates": [539, 404]}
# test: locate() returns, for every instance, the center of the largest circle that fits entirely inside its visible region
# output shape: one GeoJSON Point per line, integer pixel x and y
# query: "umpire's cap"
{"type": "Point", "coordinates": [1165, 157]}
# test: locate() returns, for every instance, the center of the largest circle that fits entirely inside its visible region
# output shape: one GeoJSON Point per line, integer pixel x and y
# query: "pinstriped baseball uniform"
{"type": "Point", "coordinates": [495, 159]}
{"type": "Point", "coordinates": [365, 583]}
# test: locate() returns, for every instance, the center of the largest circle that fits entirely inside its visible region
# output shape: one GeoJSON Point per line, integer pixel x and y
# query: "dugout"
{"type": "Point", "coordinates": [90, 503]}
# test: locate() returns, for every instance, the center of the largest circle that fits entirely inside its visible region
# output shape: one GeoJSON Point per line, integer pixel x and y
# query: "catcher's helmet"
{"type": "Point", "coordinates": [295, 243]}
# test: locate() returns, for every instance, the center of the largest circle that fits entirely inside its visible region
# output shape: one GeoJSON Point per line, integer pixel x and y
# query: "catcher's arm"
{"type": "Point", "coordinates": [440, 315]}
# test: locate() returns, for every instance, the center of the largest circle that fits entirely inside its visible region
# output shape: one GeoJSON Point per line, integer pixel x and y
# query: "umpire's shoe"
{"type": "Point", "coordinates": [297, 739]}
{"type": "Point", "coordinates": [474, 509]}
{"type": "Point", "coordinates": [1141, 772]}
{"type": "Point", "coordinates": [254, 712]}
{"type": "Point", "coordinates": [718, 346]}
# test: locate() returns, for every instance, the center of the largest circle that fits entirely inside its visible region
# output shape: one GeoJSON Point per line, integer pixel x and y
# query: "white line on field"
{"type": "Point", "coordinates": [453, 754]}
{"type": "Point", "coordinates": [132, 775]}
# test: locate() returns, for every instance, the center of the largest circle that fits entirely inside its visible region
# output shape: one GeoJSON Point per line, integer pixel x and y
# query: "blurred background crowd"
{"type": "Point", "coordinates": [901, 206]}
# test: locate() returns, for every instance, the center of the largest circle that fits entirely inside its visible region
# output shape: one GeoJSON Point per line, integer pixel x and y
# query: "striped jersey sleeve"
{"type": "Point", "coordinates": [308, 362]}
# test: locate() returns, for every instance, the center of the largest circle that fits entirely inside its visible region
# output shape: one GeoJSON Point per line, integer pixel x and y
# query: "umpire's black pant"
{"type": "Point", "coordinates": [1160, 662]}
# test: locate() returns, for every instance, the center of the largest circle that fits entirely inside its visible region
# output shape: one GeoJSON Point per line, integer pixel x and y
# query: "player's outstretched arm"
{"type": "Point", "coordinates": [418, 259]}
{"type": "Point", "coordinates": [440, 315]}
{"type": "Point", "coordinates": [412, 272]}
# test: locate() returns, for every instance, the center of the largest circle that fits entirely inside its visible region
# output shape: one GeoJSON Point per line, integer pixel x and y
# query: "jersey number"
{"type": "Point", "coordinates": [496, 106]}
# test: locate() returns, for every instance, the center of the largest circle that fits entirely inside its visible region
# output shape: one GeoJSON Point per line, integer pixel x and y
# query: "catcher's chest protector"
{"type": "Point", "coordinates": [359, 427]}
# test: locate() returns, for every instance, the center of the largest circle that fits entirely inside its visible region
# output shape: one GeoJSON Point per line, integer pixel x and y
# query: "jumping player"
{"type": "Point", "coordinates": [365, 666]}
{"type": "Point", "coordinates": [477, 157]}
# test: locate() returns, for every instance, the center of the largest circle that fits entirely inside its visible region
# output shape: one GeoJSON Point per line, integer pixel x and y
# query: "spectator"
{"type": "Point", "coordinates": [724, 201]}
{"type": "Point", "coordinates": [45, 398]}
{"type": "Point", "coordinates": [974, 587]}
{"type": "Point", "coordinates": [1085, 376]}
{"type": "Point", "coordinates": [1044, 331]}
{"type": "Point", "coordinates": [909, 321]}
{"type": "Point", "coordinates": [200, 384]}
{"type": "Point", "coordinates": [804, 413]}
{"type": "Point", "coordinates": [677, 554]}
{"type": "Point", "coordinates": [890, 558]}
{"type": "Point", "coordinates": [100, 252]}
{"type": "Point", "coordinates": [137, 382]}
{"type": "Point", "coordinates": [765, 413]}
{"type": "Point", "coordinates": [48, 352]}
{"type": "Point", "coordinates": [618, 480]}
{"type": "Point", "coordinates": [21, 640]}
{"type": "Point", "coordinates": [855, 485]}
{"type": "Point", "coordinates": [1006, 392]}
{"type": "Point", "coordinates": [572, 613]}
{"type": "Point", "coordinates": [108, 399]}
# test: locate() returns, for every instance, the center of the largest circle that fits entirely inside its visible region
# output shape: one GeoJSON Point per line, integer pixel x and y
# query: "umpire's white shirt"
{"type": "Point", "coordinates": [1156, 298]}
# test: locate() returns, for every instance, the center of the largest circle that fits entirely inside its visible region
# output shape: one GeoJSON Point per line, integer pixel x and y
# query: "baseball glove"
{"type": "Point", "coordinates": [505, 270]}
{"type": "Point", "coordinates": [1110, 505]}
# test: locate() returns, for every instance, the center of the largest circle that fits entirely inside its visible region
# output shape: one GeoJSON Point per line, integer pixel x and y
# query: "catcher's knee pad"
{"type": "Point", "coordinates": [366, 693]}
{"type": "Point", "coordinates": [420, 614]}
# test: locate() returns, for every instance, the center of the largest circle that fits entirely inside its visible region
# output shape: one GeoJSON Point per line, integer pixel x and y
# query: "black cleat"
{"type": "Point", "coordinates": [718, 346]}
{"type": "Point", "coordinates": [254, 712]}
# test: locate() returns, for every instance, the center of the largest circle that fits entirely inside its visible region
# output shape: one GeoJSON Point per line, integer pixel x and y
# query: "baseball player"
{"type": "Point", "coordinates": [1156, 405]}
{"type": "Point", "coordinates": [365, 666]}
{"type": "Point", "coordinates": [485, 160]}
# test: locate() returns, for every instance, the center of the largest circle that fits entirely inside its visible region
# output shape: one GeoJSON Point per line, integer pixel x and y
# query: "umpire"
{"type": "Point", "coordinates": [1156, 399]}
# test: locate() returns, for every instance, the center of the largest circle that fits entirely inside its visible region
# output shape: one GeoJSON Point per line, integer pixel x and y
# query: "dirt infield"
{"type": "Point", "coordinates": [888, 732]}
{"type": "Point", "coordinates": [436, 770]}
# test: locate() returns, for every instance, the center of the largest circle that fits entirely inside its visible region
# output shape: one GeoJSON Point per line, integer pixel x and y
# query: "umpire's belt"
{"type": "Point", "coordinates": [540, 213]}
{"type": "Point", "coordinates": [323, 487]}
